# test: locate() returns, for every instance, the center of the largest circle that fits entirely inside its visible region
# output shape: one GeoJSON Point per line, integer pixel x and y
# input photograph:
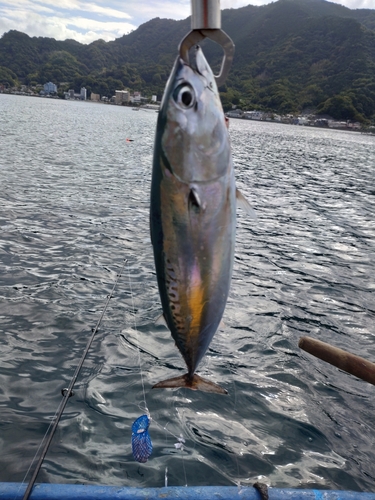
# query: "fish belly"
{"type": "Point", "coordinates": [195, 224]}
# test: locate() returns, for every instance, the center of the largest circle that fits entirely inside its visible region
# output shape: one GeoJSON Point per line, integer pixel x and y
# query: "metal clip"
{"type": "Point", "coordinates": [218, 36]}
{"type": "Point", "coordinates": [206, 23]}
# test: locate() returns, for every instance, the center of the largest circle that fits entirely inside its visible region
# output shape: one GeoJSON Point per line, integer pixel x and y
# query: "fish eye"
{"type": "Point", "coordinates": [184, 96]}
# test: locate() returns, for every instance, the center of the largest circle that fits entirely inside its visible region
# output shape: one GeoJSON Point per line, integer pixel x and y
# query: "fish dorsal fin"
{"type": "Point", "coordinates": [245, 205]}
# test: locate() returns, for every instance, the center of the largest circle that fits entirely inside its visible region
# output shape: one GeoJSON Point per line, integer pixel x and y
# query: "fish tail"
{"type": "Point", "coordinates": [196, 383]}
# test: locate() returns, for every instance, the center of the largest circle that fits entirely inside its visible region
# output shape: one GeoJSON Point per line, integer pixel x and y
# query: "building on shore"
{"type": "Point", "coordinates": [235, 113]}
{"type": "Point", "coordinates": [253, 115]}
{"type": "Point", "coordinates": [154, 107]}
{"type": "Point", "coordinates": [122, 96]}
{"type": "Point", "coordinates": [95, 97]}
{"type": "Point", "coordinates": [82, 96]}
{"type": "Point", "coordinates": [50, 88]}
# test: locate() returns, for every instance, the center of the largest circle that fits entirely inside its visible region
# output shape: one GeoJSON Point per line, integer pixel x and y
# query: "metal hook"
{"type": "Point", "coordinates": [206, 23]}
{"type": "Point", "coordinates": [218, 36]}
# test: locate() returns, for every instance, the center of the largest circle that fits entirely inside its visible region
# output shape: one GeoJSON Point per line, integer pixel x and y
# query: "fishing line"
{"type": "Point", "coordinates": [67, 393]}
{"type": "Point", "coordinates": [179, 445]}
{"type": "Point", "coordinates": [139, 351]}
{"type": "Point", "coordinates": [141, 441]}
{"type": "Point", "coordinates": [238, 480]}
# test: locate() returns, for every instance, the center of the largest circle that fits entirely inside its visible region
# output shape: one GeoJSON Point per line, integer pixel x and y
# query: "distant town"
{"type": "Point", "coordinates": [308, 119]}
{"type": "Point", "coordinates": [121, 97]}
{"type": "Point", "coordinates": [128, 98]}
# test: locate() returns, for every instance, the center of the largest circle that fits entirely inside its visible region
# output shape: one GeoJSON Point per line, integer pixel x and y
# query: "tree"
{"type": "Point", "coordinates": [7, 77]}
{"type": "Point", "coordinates": [340, 107]}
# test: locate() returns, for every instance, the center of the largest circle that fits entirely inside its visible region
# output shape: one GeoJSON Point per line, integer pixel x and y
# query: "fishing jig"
{"type": "Point", "coordinates": [141, 441]}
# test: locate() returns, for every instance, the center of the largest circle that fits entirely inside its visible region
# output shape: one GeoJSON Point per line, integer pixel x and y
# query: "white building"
{"type": "Point", "coordinates": [155, 107]}
{"type": "Point", "coordinates": [235, 113]}
{"type": "Point", "coordinates": [83, 94]}
{"type": "Point", "coordinates": [254, 115]}
{"type": "Point", "coordinates": [50, 88]}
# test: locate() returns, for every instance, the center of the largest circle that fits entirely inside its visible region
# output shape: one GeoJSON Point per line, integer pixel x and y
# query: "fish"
{"type": "Point", "coordinates": [193, 214]}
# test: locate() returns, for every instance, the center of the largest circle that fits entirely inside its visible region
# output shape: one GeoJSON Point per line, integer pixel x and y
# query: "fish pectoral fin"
{"type": "Point", "coordinates": [160, 321]}
{"type": "Point", "coordinates": [195, 383]}
{"type": "Point", "coordinates": [245, 205]}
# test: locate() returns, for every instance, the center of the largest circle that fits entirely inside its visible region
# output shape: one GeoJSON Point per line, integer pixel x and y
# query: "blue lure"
{"type": "Point", "coordinates": [141, 441]}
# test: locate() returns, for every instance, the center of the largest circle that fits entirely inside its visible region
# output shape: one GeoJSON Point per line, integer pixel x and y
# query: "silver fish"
{"type": "Point", "coordinates": [193, 214]}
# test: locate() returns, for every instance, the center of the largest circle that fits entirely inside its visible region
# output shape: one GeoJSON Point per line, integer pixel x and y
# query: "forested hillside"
{"type": "Point", "coordinates": [290, 55]}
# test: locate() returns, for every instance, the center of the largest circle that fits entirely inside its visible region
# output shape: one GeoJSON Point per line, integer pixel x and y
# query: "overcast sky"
{"type": "Point", "coordinates": [88, 20]}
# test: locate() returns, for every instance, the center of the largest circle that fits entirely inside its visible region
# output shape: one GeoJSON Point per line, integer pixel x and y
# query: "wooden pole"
{"type": "Point", "coordinates": [355, 365]}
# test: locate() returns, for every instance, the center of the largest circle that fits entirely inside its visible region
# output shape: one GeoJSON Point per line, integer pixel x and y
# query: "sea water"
{"type": "Point", "coordinates": [74, 203]}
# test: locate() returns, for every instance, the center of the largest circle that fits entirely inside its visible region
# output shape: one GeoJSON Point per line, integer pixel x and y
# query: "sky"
{"type": "Point", "coordinates": [89, 20]}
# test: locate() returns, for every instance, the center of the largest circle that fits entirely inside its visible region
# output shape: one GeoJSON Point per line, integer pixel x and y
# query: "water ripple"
{"type": "Point", "coordinates": [74, 204]}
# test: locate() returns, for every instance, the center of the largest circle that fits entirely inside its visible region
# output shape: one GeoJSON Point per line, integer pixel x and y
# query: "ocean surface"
{"type": "Point", "coordinates": [74, 203]}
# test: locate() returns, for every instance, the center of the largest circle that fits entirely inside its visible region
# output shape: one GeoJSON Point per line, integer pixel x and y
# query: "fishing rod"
{"type": "Point", "coordinates": [344, 360]}
{"type": "Point", "coordinates": [68, 392]}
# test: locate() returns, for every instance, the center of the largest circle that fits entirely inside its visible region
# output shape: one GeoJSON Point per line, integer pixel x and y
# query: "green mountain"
{"type": "Point", "coordinates": [290, 55]}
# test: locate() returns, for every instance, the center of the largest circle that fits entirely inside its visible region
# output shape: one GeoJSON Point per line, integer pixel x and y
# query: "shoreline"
{"type": "Point", "coordinates": [330, 123]}
{"type": "Point", "coordinates": [228, 114]}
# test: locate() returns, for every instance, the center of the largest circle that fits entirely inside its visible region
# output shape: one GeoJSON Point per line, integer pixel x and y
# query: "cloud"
{"type": "Point", "coordinates": [236, 4]}
{"type": "Point", "coordinates": [106, 11]}
{"type": "Point", "coordinates": [74, 5]}
{"type": "Point", "coordinates": [81, 21]}
{"type": "Point", "coordinates": [356, 4]}
{"type": "Point", "coordinates": [170, 9]}
{"type": "Point", "coordinates": [95, 25]}
{"type": "Point", "coordinates": [89, 20]}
